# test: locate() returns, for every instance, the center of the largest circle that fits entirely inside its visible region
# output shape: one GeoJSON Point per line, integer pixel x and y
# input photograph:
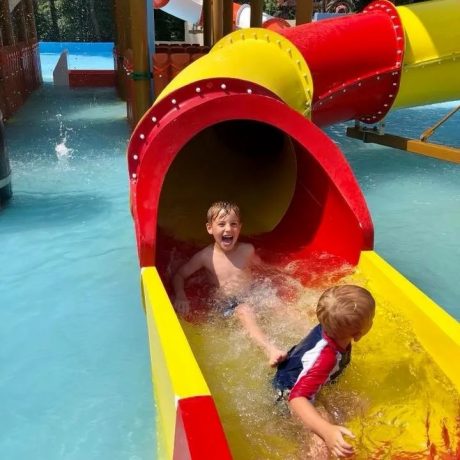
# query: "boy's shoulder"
{"type": "Point", "coordinates": [246, 247]}
{"type": "Point", "coordinates": [204, 256]}
{"type": "Point", "coordinates": [206, 251]}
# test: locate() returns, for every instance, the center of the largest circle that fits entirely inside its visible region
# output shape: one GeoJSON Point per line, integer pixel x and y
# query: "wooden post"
{"type": "Point", "coordinates": [120, 15]}
{"type": "Point", "coordinates": [227, 16]}
{"type": "Point", "coordinates": [217, 22]}
{"type": "Point", "coordinates": [207, 23]}
{"type": "Point", "coordinates": [304, 11]}
{"type": "Point", "coordinates": [257, 7]}
{"type": "Point", "coordinates": [30, 18]}
{"type": "Point", "coordinates": [141, 69]}
{"type": "Point", "coordinates": [6, 23]}
{"type": "Point", "coordinates": [22, 32]}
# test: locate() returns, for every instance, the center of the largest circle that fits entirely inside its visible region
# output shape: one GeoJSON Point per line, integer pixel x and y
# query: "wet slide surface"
{"type": "Point", "coordinates": [212, 102]}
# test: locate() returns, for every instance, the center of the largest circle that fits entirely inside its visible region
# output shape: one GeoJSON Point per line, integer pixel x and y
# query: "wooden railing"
{"type": "Point", "coordinates": [167, 62]}
{"type": "Point", "coordinates": [19, 75]}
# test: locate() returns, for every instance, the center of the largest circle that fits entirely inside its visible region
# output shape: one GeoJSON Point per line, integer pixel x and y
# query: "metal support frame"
{"type": "Point", "coordinates": [376, 135]}
{"type": "Point", "coordinates": [430, 131]}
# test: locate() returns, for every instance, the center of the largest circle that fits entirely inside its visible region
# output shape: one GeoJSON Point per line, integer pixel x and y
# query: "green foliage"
{"type": "Point", "coordinates": [92, 20]}
{"type": "Point", "coordinates": [271, 7]}
{"type": "Point", "coordinates": [167, 27]}
{"type": "Point", "coordinates": [43, 20]}
{"type": "Point", "coordinates": [75, 20]}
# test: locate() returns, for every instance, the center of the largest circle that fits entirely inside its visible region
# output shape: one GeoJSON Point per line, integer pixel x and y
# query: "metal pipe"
{"type": "Point", "coordinates": [430, 131]}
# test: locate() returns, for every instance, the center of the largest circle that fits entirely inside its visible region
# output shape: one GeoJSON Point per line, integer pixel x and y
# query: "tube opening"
{"type": "Point", "coordinates": [245, 161]}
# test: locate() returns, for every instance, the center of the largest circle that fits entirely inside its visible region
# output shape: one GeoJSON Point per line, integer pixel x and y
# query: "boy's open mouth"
{"type": "Point", "coordinates": [227, 239]}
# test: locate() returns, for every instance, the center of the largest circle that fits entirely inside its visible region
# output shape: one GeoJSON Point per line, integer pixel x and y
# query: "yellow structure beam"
{"type": "Point", "coordinates": [441, 152]}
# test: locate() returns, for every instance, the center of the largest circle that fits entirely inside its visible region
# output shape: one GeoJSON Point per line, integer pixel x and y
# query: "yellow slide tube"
{"type": "Point", "coordinates": [259, 56]}
{"type": "Point", "coordinates": [431, 60]}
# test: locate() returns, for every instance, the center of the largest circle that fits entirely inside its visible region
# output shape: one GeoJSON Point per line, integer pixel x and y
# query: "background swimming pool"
{"type": "Point", "coordinates": [86, 56]}
{"type": "Point", "coordinates": [75, 380]}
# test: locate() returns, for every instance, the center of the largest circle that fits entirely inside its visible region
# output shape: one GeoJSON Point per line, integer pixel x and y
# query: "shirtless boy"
{"type": "Point", "coordinates": [228, 262]}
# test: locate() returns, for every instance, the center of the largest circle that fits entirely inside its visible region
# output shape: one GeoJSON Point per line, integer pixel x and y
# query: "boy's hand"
{"type": "Point", "coordinates": [276, 356]}
{"type": "Point", "coordinates": [335, 442]}
{"type": "Point", "coordinates": [182, 306]}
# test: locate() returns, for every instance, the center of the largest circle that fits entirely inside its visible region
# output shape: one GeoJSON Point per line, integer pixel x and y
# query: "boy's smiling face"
{"type": "Point", "coordinates": [225, 229]}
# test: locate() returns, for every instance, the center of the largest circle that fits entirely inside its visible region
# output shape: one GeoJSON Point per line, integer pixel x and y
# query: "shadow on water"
{"type": "Point", "coordinates": [34, 211]}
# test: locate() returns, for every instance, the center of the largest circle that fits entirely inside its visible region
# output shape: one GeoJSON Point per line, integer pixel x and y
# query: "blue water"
{"type": "Point", "coordinates": [75, 373]}
{"type": "Point", "coordinates": [87, 56]}
{"type": "Point", "coordinates": [75, 378]}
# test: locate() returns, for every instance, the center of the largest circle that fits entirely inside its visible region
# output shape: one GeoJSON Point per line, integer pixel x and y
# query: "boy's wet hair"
{"type": "Point", "coordinates": [226, 206]}
{"type": "Point", "coordinates": [342, 310]}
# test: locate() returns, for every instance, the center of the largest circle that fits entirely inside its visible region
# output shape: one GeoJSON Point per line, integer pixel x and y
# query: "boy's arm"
{"type": "Point", "coordinates": [247, 318]}
{"type": "Point", "coordinates": [307, 385]}
{"type": "Point", "coordinates": [262, 266]}
{"type": "Point", "coordinates": [194, 264]}
{"type": "Point", "coordinates": [331, 434]}
{"type": "Point", "coordinates": [255, 258]}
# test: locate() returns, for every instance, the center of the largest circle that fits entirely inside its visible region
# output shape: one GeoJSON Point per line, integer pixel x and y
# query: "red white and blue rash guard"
{"type": "Point", "coordinates": [315, 361]}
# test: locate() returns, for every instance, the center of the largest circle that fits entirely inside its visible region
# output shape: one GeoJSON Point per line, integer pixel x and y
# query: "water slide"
{"type": "Point", "coordinates": [244, 123]}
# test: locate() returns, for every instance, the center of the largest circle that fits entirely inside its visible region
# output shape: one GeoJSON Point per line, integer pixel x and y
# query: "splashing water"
{"type": "Point", "coordinates": [392, 396]}
{"type": "Point", "coordinates": [63, 153]}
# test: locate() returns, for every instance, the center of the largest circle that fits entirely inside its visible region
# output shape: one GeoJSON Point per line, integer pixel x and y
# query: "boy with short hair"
{"type": "Point", "coordinates": [345, 314]}
{"type": "Point", "coordinates": [228, 263]}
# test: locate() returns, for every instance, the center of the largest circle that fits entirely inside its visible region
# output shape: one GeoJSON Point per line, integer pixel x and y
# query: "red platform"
{"type": "Point", "coordinates": [85, 78]}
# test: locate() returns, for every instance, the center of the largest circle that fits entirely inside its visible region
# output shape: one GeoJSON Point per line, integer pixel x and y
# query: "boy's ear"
{"type": "Point", "coordinates": [209, 228]}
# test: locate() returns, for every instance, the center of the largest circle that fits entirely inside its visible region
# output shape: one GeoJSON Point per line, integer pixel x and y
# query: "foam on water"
{"type": "Point", "coordinates": [392, 396]}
